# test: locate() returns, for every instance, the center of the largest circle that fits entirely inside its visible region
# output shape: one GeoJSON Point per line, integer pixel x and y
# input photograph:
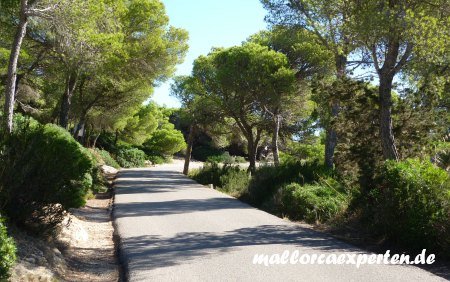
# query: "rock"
{"type": "Point", "coordinates": [108, 169]}
{"type": "Point", "coordinates": [30, 260]}
{"type": "Point", "coordinates": [57, 252]}
{"type": "Point", "coordinates": [73, 231]}
{"type": "Point", "coordinates": [41, 261]}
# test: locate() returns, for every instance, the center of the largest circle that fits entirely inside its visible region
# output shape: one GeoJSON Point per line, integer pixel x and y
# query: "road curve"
{"type": "Point", "coordinates": [173, 229]}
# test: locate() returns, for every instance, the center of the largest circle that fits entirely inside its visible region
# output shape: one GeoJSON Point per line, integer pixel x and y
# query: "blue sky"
{"type": "Point", "coordinates": [210, 23]}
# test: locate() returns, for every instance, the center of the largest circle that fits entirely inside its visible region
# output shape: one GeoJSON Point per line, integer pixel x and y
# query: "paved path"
{"type": "Point", "coordinates": [173, 229]}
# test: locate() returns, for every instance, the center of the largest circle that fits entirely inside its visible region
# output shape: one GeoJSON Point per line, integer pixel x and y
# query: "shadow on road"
{"type": "Point", "coordinates": [176, 207]}
{"type": "Point", "coordinates": [149, 252]}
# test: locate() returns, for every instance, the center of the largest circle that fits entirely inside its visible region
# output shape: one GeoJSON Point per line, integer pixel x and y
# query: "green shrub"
{"type": "Point", "coordinates": [234, 181]}
{"type": "Point", "coordinates": [218, 158]}
{"type": "Point", "coordinates": [210, 173]}
{"type": "Point", "coordinates": [268, 179]}
{"type": "Point", "coordinates": [44, 172]}
{"type": "Point", "coordinates": [107, 158]}
{"type": "Point", "coordinates": [271, 188]}
{"type": "Point", "coordinates": [157, 159]}
{"type": "Point", "coordinates": [202, 153]}
{"type": "Point", "coordinates": [411, 205]}
{"type": "Point", "coordinates": [99, 181]}
{"type": "Point", "coordinates": [225, 158]}
{"type": "Point", "coordinates": [165, 141]}
{"type": "Point", "coordinates": [239, 160]}
{"type": "Point", "coordinates": [317, 202]}
{"type": "Point", "coordinates": [229, 179]}
{"type": "Point", "coordinates": [7, 252]}
{"type": "Point", "coordinates": [107, 141]}
{"type": "Point", "coordinates": [297, 151]}
{"type": "Point", "coordinates": [442, 155]}
{"type": "Point", "coordinates": [128, 157]}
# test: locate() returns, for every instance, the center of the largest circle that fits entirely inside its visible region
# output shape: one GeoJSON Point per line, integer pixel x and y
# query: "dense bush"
{"type": "Point", "coordinates": [130, 157]}
{"type": "Point", "coordinates": [210, 173]}
{"type": "Point", "coordinates": [234, 182]}
{"type": "Point", "coordinates": [107, 141]}
{"type": "Point", "coordinates": [226, 158]}
{"type": "Point", "coordinates": [7, 252]}
{"type": "Point", "coordinates": [268, 179]}
{"type": "Point", "coordinates": [442, 156]}
{"type": "Point", "coordinates": [202, 153]}
{"type": "Point", "coordinates": [99, 181]}
{"type": "Point", "coordinates": [271, 188]}
{"type": "Point", "coordinates": [157, 159]}
{"type": "Point", "coordinates": [107, 158]}
{"type": "Point", "coordinates": [44, 172]}
{"type": "Point", "coordinates": [229, 179]}
{"type": "Point", "coordinates": [317, 202]}
{"type": "Point", "coordinates": [411, 205]}
{"type": "Point", "coordinates": [297, 151]}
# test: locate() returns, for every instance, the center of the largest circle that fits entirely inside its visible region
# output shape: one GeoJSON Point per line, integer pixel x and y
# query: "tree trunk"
{"type": "Point", "coordinates": [276, 131]}
{"type": "Point", "coordinates": [12, 67]}
{"type": "Point", "coordinates": [80, 125]}
{"type": "Point", "coordinates": [331, 135]}
{"type": "Point", "coordinates": [116, 137]}
{"type": "Point", "coordinates": [67, 100]}
{"type": "Point", "coordinates": [386, 134]}
{"type": "Point", "coordinates": [190, 142]}
{"type": "Point", "coordinates": [331, 138]}
{"type": "Point", "coordinates": [95, 140]}
{"type": "Point", "coordinates": [252, 150]}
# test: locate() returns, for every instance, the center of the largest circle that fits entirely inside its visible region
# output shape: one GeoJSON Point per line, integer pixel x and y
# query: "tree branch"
{"type": "Point", "coordinates": [373, 49]}
{"type": "Point", "coordinates": [404, 58]}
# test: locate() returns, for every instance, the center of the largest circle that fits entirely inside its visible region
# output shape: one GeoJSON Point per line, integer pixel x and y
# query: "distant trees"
{"type": "Point", "coordinates": [248, 84]}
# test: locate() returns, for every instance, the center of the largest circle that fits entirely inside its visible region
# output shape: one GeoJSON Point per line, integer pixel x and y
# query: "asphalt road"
{"type": "Point", "coordinates": [173, 229]}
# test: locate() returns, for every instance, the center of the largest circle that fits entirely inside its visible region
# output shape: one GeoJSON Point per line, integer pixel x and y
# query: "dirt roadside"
{"type": "Point", "coordinates": [83, 251]}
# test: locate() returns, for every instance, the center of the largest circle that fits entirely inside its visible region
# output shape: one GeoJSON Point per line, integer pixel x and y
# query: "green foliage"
{"type": "Point", "coordinates": [242, 82]}
{"type": "Point", "coordinates": [276, 189]}
{"type": "Point", "coordinates": [157, 159]}
{"type": "Point", "coordinates": [7, 252]}
{"type": "Point", "coordinates": [107, 158]}
{"type": "Point", "coordinates": [128, 157]}
{"type": "Point", "coordinates": [411, 205]}
{"type": "Point", "coordinates": [229, 179]}
{"type": "Point", "coordinates": [142, 124]}
{"type": "Point", "coordinates": [210, 173]}
{"type": "Point", "coordinates": [165, 141]}
{"type": "Point", "coordinates": [202, 153]}
{"type": "Point", "coordinates": [99, 181]}
{"type": "Point", "coordinates": [234, 182]}
{"type": "Point", "coordinates": [299, 151]}
{"type": "Point", "coordinates": [44, 171]}
{"type": "Point", "coordinates": [267, 180]}
{"type": "Point", "coordinates": [306, 55]}
{"type": "Point", "coordinates": [226, 158]}
{"type": "Point", "coordinates": [316, 202]}
{"type": "Point", "coordinates": [442, 155]}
